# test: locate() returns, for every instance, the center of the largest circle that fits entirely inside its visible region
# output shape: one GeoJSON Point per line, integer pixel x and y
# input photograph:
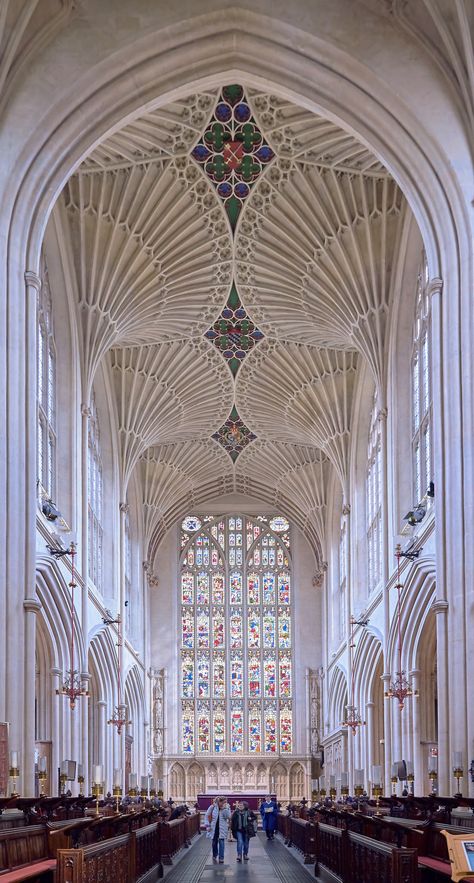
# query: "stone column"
{"type": "Point", "coordinates": [83, 665]}
{"type": "Point", "coordinates": [56, 748]}
{"type": "Point", "coordinates": [31, 607]}
{"type": "Point", "coordinates": [441, 608]}
{"type": "Point", "coordinates": [369, 745]}
{"type": "Point", "coordinates": [416, 750]}
{"type": "Point", "coordinates": [387, 727]}
{"type": "Point", "coordinates": [101, 732]}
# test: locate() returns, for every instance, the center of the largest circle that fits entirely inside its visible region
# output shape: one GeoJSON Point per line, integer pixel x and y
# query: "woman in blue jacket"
{"type": "Point", "coordinates": [269, 813]}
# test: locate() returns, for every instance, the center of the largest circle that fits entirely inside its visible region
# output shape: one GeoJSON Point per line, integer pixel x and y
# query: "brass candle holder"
{"type": "Point", "coordinates": [14, 774]}
{"type": "Point", "coordinates": [344, 791]}
{"type": "Point", "coordinates": [332, 793]}
{"type": "Point", "coordinates": [358, 790]}
{"type": "Point", "coordinates": [433, 777]}
{"type": "Point", "coordinates": [143, 793]}
{"type": "Point", "coordinates": [323, 793]}
{"type": "Point", "coordinates": [394, 780]}
{"type": "Point", "coordinates": [81, 780]}
{"type": "Point", "coordinates": [458, 774]}
{"type": "Point", "coordinates": [97, 791]}
{"type": "Point", "coordinates": [42, 779]}
{"type": "Point", "coordinates": [377, 791]}
{"type": "Point", "coordinates": [411, 784]}
{"type": "Point", "coordinates": [314, 795]}
{"type": "Point", "coordinates": [117, 792]}
{"type": "Point", "coordinates": [62, 783]}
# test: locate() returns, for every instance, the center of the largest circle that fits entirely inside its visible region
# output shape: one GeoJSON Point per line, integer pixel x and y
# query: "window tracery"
{"type": "Point", "coordinates": [421, 387]}
{"type": "Point", "coordinates": [95, 501]}
{"type": "Point", "coordinates": [374, 499]}
{"type": "Point", "coordinates": [46, 388]}
{"type": "Point", "coordinates": [236, 636]}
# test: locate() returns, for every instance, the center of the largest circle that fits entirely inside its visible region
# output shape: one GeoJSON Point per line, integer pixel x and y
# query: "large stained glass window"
{"type": "Point", "coordinates": [235, 598]}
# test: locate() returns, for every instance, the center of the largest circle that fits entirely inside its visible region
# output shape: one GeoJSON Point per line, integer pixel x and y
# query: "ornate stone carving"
{"type": "Point", "coordinates": [158, 687]}
{"type": "Point", "coordinates": [315, 710]}
{"type": "Point", "coordinates": [318, 577]}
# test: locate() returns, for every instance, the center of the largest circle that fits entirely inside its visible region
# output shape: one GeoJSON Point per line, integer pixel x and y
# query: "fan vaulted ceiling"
{"type": "Point", "coordinates": [233, 255]}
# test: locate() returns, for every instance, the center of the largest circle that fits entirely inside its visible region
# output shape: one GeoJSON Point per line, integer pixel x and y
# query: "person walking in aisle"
{"type": "Point", "coordinates": [217, 824]}
{"type": "Point", "coordinates": [269, 813]}
{"type": "Point", "coordinates": [243, 827]}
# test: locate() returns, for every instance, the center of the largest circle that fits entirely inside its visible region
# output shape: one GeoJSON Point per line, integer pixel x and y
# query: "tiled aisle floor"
{"type": "Point", "coordinates": [269, 861]}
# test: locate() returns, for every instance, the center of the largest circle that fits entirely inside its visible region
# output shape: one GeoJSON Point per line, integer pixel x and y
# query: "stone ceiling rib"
{"type": "Point", "coordinates": [191, 227]}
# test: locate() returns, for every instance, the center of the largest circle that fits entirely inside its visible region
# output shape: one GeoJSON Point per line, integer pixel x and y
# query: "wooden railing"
{"type": "Point", "coordinates": [300, 834]}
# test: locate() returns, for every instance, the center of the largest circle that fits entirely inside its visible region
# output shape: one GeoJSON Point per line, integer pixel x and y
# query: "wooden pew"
{"type": "Point", "coordinates": [302, 835]}
{"type": "Point", "coordinates": [127, 858]}
{"type": "Point", "coordinates": [352, 857]}
{"type": "Point", "coordinates": [25, 855]}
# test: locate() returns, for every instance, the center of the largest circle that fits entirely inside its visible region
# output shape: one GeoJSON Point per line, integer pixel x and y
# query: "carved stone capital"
{"type": "Point", "coordinates": [146, 566]}
{"type": "Point", "coordinates": [86, 411]}
{"type": "Point", "coordinates": [318, 577]}
{"type": "Point", "coordinates": [124, 508]}
{"type": "Point", "coordinates": [382, 415]}
{"type": "Point", "coordinates": [346, 509]}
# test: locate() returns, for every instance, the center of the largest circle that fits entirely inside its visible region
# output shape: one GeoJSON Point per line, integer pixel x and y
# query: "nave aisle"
{"type": "Point", "coordinates": [267, 862]}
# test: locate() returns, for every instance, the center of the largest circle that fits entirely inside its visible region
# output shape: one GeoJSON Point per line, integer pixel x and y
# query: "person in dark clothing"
{"type": "Point", "coordinates": [269, 813]}
{"type": "Point", "coordinates": [243, 828]}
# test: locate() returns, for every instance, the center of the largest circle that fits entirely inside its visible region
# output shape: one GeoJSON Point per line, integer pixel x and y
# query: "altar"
{"type": "Point", "coordinates": [253, 798]}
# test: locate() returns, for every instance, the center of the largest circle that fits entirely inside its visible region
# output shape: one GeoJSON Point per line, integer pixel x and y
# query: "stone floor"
{"type": "Point", "coordinates": [269, 861]}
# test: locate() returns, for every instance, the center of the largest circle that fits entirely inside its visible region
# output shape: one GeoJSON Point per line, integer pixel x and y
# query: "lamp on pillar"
{"type": "Point", "coordinates": [458, 771]}
{"type": "Point", "coordinates": [14, 771]}
{"type": "Point", "coordinates": [73, 685]}
{"type": "Point", "coordinates": [400, 688]}
{"type": "Point", "coordinates": [119, 718]}
{"type": "Point", "coordinates": [353, 719]}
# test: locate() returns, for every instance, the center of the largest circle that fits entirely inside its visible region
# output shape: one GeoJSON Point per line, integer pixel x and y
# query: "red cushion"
{"type": "Point", "coordinates": [435, 864]}
{"type": "Point", "coordinates": [28, 871]}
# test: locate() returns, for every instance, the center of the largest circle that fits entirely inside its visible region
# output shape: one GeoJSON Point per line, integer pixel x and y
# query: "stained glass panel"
{"type": "Point", "coordinates": [202, 629]}
{"type": "Point", "coordinates": [236, 728]}
{"type": "Point", "coordinates": [283, 588]}
{"type": "Point", "coordinates": [253, 589]}
{"type": "Point", "coordinates": [236, 677]}
{"type": "Point", "coordinates": [253, 637]}
{"type": "Point", "coordinates": [284, 628]}
{"type": "Point", "coordinates": [255, 730]}
{"type": "Point", "coordinates": [285, 676]}
{"type": "Point", "coordinates": [269, 678]}
{"type": "Point", "coordinates": [279, 524]}
{"type": "Point", "coordinates": [187, 674]}
{"type": "Point", "coordinates": [219, 730]}
{"type": "Point", "coordinates": [191, 523]}
{"type": "Point", "coordinates": [187, 588]}
{"type": "Point", "coordinates": [254, 677]}
{"type": "Point", "coordinates": [270, 731]}
{"type": "Point", "coordinates": [204, 727]}
{"type": "Point", "coordinates": [236, 588]}
{"type": "Point", "coordinates": [202, 588]}
{"type": "Point", "coordinates": [187, 629]}
{"type": "Point", "coordinates": [187, 728]}
{"type": "Point", "coordinates": [218, 588]}
{"type": "Point", "coordinates": [268, 630]}
{"type": "Point", "coordinates": [268, 588]}
{"type": "Point", "coordinates": [235, 631]}
{"type": "Point", "coordinates": [217, 629]}
{"type": "Point", "coordinates": [218, 677]}
{"type": "Point", "coordinates": [203, 677]}
{"type": "Point", "coordinates": [285, 731]}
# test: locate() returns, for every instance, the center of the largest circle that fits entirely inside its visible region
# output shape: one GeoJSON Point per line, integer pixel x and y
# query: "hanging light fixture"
{"type": "Point", "coordinates": [353, 719]}
{"type": "Point", "coordinates": [73, 685]}
{"type": "Point", "coordinates": [119, 717]}
{"type": "Point", "coordinates": [400, 688]}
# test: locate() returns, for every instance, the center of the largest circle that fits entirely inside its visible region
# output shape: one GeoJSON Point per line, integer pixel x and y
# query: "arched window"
{"type": "Point", "coordinates": [236, 636]}
{"type": "Point", "coordinates": [128, 572]}
{"type": "Point", "coordinates": [342, 576]}
{"type": "Point", "coordinates": [46, 388]}
{"type": "Point", "coordinates": [95, 484]}
{"type": "Point", "coordinates": [374, 500]}
{"type": "Point", "coordinates": [421, 388]}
